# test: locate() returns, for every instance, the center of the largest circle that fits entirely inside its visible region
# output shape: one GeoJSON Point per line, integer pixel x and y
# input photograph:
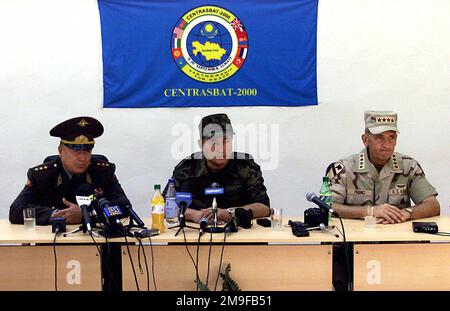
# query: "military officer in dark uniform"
{"type": "Point", "coordinates": [51, 186]}
{"type": "Point", "coordinates": [237, 173]}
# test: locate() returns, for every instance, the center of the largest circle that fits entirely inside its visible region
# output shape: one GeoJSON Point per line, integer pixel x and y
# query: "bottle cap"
{"type": "Point", "coordinates": [157, 187]}
{"type": "Point", "coordinates": [325, 179]}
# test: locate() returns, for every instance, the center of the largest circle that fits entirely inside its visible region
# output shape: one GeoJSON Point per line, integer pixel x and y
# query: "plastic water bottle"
{"type": "Point", "coordinates": [326, 195]}
{"type": "Point", "coordinates": [171, 208]}
{"type": "Point", "coordinates": [158, 209]}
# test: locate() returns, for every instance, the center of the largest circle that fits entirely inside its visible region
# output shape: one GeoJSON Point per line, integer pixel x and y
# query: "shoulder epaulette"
{"type": "Point", "coordinates": [45, 167]}
{"type": "Point", "coordinates": [101, 164]}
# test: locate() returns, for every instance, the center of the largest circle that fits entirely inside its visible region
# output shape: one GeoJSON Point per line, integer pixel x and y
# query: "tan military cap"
{"type": "Point", "coordinates": [380, 121]}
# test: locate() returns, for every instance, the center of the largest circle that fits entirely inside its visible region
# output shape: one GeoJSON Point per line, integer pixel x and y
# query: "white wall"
{"type": "Point", "coordinates": [372, 54]}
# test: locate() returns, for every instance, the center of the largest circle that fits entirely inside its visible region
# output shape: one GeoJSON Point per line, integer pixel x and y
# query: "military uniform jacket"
{"type": "Point", "coordinates": [241, 179]}
{"type": "Point", "coordinates": [356, 181]}
{"type": "Point", "coordinates": [48, 183]}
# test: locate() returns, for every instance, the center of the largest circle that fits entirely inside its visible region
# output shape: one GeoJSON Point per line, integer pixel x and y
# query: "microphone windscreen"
{"type": "Point", "coordinates": [103, 203]}
{"type": "Point", "coordinates": [203, 223]}
{"type": "Point", "coordinates": [310, 196]}
{"type": "Point", "coordinates": [84, 190]}
{"type": "Point", "coordinates": [215, 185]}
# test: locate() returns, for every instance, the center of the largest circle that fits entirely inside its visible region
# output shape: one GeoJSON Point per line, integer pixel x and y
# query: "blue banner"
{"type": "Point", "coordinates": [208, 53]}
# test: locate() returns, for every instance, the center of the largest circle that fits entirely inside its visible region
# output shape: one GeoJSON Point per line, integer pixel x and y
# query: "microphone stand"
{"type": "Point", "coordinates": [182, 220]}
{"type": "Point", "coordinates": [214, 228]}
{"type": "Point", "coordinates": [323, 228]}
{"type": "Point", "coordinates": [80, 228]}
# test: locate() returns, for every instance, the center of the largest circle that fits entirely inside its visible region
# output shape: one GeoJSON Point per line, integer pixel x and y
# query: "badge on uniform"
{"type": "Point", "coordinates": [399, 189]}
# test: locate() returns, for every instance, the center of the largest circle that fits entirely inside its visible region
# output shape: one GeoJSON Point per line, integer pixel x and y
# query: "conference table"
{"type": "Point", "coordinates": [393, 257]}
{"type": "Point", "coordinates": [388, 257]}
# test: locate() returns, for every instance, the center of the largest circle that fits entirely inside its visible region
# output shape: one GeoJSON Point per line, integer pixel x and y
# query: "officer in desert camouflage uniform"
{"type": "Point", "coordinates": [380, 181]}
{"type": "Point", "coordinates": [237, 173]}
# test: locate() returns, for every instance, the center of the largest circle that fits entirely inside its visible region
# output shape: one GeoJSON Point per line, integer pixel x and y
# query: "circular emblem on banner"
{"type": "Point", "coordinates": [209, 44]}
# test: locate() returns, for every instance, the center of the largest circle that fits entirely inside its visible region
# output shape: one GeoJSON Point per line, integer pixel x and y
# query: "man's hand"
{"type": "Point", "coordinates": [222, 215]}
{"type": "Point", "coordinates": [389, 214]}
{"type": "Point", "coordinates": [405, 217]}
{"type": "Point", "coordinates": [195, 216]}
{"type": "Point", "coordinates": [72, 213]}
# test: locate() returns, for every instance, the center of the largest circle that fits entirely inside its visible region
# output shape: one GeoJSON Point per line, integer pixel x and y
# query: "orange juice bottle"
{"type": "Point", "coordinates": [158, 209]}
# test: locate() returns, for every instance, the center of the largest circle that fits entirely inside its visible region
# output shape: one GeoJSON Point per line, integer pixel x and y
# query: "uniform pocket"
{"type": "Point", "coordinates": [398, 200]}
{"type": "Point", "coordinates": [399, 196]}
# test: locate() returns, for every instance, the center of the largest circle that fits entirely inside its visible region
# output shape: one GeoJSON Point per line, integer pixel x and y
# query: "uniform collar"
{"type": "Point", "coordinates": [69, 175]}
{"type": "Point", "coordinates": [363, 162]}
{"type": "Point", "coordinates": [202, 167]}
{"type": "Point", "coordinates": [395, 164]}
{"type": "Point", "coordinates": [364, 165]}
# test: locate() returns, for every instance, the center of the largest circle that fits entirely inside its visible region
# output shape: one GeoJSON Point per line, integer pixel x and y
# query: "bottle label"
{"type": "Point", "coordinates": [158, 208]}
{"type": "Point", "coordinates": [171, 208]}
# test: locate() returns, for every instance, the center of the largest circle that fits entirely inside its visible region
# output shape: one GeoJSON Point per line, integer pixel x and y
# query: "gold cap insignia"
{"type": "Point", "coordinates": [79, 140]}
{"type": "Point", "coordinates": [82, 123]}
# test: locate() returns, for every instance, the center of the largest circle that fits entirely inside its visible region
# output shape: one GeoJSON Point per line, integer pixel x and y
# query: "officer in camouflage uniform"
{"type": "Point", "coordinates": [237, 173]}
{"type": "Point", "coordinates": [380, 181]}
{"type": "Point", "coordinates": [52, 186]}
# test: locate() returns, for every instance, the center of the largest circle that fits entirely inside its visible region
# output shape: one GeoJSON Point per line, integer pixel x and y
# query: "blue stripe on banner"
{"type": "Point", "coordinates": [142, 67]}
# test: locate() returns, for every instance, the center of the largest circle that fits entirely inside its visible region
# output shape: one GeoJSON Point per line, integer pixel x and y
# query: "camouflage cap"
{"type": "Point", "coordinates": [380, 121]}
{"type": "Point", "coordinates": [214, 125]}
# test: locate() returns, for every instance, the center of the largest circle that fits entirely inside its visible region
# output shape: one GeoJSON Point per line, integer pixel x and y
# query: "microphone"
{"type": "Point", "coordinates": [112, 213]}
{"type": "Point", "coordinates": [134, 216]}
{"type": "Point", "coordinates": [312, 197]}
{"type": "Point", "coordinates": [83, 196]}
{"type": "Point", "coordinates": [84, 190]}
{"type": "Point", "coordinates": [231, 226]}
{"type": "Point", "coordinates": [183, 200]}
{"type": "Point", "coordinates": [86, 217]}
{"type": "Point", "coordinates": [203, 224]}
{"type": "Point", "coordinates": [214, 190]}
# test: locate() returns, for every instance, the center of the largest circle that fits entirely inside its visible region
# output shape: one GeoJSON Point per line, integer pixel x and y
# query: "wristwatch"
{"type": "Point", "coordinates": [409, 210]}
{"type": "Point", "coordinates": [231, 211]}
